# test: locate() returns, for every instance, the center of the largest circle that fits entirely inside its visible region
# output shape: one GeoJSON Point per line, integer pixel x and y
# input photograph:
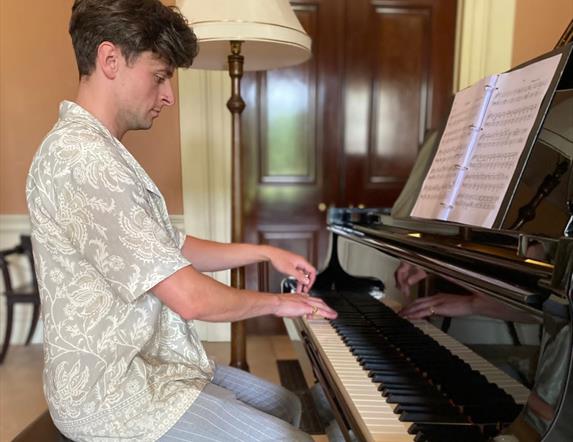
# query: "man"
{"type": "Point", "coordinates": [119, 284]}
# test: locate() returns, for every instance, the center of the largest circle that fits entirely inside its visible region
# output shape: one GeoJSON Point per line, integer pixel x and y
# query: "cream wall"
{"type": "Point", "coordinates": [484, 39]}
{"type": "Point", "coordinates": [37, 71]}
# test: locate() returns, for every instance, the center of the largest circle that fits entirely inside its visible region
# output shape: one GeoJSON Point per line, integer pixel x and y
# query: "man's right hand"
{"type": "Point", "coordinates": [292, 305]}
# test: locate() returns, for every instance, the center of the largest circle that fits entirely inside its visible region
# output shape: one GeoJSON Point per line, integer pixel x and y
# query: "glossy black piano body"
{"type": "Point", "coordinates": [478, 261]}
{"type": "Point", "coordinates": [524, 264]}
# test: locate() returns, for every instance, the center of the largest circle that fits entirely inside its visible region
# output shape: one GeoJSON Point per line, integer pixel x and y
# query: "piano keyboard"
{"type": "Point", "coordinates": [380, 420]}
{"type": "Point", "coordinates": [377, 417]}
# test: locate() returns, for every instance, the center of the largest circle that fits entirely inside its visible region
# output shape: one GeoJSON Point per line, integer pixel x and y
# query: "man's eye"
{"type": "Point", "coordinates": [159, 79]}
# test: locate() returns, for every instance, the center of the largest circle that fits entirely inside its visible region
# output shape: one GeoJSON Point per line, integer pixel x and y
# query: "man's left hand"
{"type": "Point", "coordinates": [294, 265]}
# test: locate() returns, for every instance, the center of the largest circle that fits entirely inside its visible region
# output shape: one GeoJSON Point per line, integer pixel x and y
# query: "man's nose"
{"type": "Point", "coordinates": [167, 96]}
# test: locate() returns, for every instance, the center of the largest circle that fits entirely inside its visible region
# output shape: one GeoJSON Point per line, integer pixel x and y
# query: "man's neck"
{"type": "Point", "coordinates": [98, 104]}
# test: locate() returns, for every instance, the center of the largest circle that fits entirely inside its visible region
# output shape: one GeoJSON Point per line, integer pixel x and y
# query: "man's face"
{"type": "Point", "coordinates": [144, 89]}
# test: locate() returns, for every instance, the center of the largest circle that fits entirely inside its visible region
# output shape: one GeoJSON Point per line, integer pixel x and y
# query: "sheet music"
{"type": "Point", "coordinates": [507, 125]}
{"type": "Point", "coordinates": [443, 181]}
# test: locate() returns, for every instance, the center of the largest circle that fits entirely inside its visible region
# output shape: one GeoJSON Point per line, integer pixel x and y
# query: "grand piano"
{"type": "Point", "coordinates": [503, 373]}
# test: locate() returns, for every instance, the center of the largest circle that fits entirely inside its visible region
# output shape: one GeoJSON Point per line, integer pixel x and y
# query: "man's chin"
{"type": "Point", "coordinates": [144, 125]}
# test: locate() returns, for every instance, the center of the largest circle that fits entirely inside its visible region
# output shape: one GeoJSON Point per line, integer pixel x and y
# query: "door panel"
{"type": "Point", "coordinates": [395, 90]}
{"type": "Point", "coordinates": [288, 149]}
{"type": "Point", "coordinates": [399, 92]}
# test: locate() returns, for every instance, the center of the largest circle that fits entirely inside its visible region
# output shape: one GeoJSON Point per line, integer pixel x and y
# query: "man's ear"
{"type": "Point", "coordinates": [109, 58]}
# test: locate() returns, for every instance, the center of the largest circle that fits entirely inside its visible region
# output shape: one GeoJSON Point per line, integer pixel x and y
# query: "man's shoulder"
{"type": "Point", "coordinates": [71, 141]}
{"type": "Point", "coordinates": [77, 134]}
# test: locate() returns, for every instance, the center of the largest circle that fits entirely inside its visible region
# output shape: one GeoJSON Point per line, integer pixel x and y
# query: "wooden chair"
{"type": "Point", "coordinates": [26, 293]}
{"type": "Point", "coordinates": [43, 429]}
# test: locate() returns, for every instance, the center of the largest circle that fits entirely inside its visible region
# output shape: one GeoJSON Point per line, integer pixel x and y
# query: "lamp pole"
{"type": "Point", "coordinates": [235, 104]}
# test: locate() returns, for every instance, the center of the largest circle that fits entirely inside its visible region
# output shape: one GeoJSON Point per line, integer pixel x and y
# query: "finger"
{"type": "Point", "coordinates": [312, 279]}
{"type": "Point", "coordinates": [423, 311]}
{"type": "Point", "coordinates": [303, 270]}
{"type": "Point", "coordinates": [298, 286]}
{"type": "Point", "coordinates": [419, 302]}
{"type": "Point", "coordinates": [319, 307]}
{"type": "Point", "coordinates": [328, 314]}
{"type": "Point", "coordinates": [415, 308]}
{"type": "Point", "coordinates": [405, 285]}
{"type": "Point", "coordinates": [323, 312]}
{"type": "Point", "coordinates": [418, 315]}
{"type": "Point", "coordinates": [306, 267]}
{"type": "Point", "coordinates": [313, 311]}
{"type": "Point", "coordinates": [303, 285]}
{"type": "Point", "coordinates": [399, 277]}
{"type": "Point", "coordinates": [415, 278]}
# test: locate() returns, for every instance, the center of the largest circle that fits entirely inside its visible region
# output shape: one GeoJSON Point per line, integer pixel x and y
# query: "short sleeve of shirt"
{"type": "Point", "coordinates": [180, 237]}
{"type": "Point", "coordinates": [118, 225]}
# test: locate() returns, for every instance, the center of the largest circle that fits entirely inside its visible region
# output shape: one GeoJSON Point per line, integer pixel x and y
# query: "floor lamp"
{"type": "Point", "coordinates": [238, 36]}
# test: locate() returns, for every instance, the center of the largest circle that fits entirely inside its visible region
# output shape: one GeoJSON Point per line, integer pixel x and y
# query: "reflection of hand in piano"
{"type": "Point", "coordinates": [450, 304]}
{"type": "Point", "coordinates": [444, 304]}
{"type": "Point", "coordinates": [406, 275]}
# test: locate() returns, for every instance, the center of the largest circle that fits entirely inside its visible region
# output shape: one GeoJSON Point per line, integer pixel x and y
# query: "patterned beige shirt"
{"type": "Point", "coordinates": [118, 363]}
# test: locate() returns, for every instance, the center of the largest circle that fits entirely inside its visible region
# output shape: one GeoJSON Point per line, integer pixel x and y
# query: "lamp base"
{"type": "Point", "coordinates": [239, 346]}
{"type": "Point", "coordinates": [236, 106]}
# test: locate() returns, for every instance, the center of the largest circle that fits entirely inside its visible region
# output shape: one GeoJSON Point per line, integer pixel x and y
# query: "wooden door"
{"type": "Point", "coordinates": [344, 128]}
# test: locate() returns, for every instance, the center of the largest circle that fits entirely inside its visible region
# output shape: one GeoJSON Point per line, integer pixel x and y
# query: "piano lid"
{"type": "Point", "coordinates": [542, 200]}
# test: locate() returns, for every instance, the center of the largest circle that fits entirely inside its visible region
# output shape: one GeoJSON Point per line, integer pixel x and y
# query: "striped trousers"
{"type": "Point", "coordinates": [238, 406]}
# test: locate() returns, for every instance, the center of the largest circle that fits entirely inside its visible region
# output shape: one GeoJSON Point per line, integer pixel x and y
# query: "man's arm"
{"type": "Point", "coordinates": [211, 256]}
{"type": "Point", "coordinates": [196, 296]}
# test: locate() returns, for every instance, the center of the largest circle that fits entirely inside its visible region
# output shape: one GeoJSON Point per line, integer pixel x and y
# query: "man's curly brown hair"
{"type": "Point", "coordinates": [135, 26]}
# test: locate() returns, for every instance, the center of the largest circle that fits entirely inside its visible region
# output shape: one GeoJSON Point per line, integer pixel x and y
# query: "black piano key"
{"type": "Point", "coordinates": [410, 372]}
{"type": "Point", "coordinates": [442, 409]}
{"type": "Point", "coordinates": [407, 390]}
{"type": "Point", "coordinates": [430, 417]}
{"type": "Point", "coordinates": [398, 379]}
{"type": "Point", "coordinates": [447, 432]}
{"type": "Point", "coordinates": [385, 365]}
{"type": "Point", "coordinates": [426, 399]}
{"type": "Point", "coordinates": [424, 390]}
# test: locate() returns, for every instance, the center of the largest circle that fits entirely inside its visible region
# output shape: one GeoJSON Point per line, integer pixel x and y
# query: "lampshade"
{"type": "Point", "coordinates": [271, 34]}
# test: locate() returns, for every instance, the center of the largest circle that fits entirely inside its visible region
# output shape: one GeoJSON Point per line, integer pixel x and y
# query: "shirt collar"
{"type": "Point", "coordinates": [73, 111]}
{"type": "Point", "coordinates": [70, 111]}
